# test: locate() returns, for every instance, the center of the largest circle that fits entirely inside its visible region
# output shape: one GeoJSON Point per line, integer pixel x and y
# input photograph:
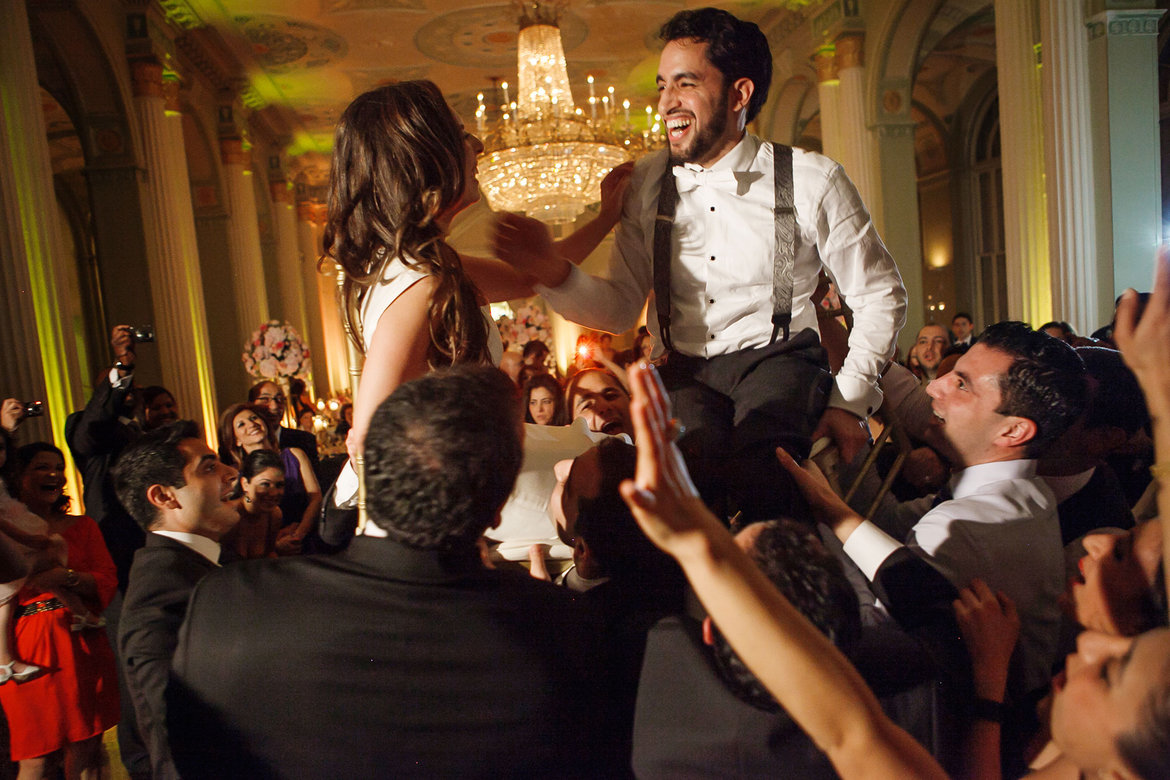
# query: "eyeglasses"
{"type": "Point", "coordinates": [264, 399]}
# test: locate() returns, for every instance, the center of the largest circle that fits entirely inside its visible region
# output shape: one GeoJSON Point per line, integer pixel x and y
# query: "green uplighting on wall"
{"type": "Point", "coordinates": [42, 289]}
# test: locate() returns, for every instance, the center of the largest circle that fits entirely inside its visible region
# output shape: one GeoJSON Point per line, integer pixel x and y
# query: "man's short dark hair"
{"type": "Point", "coordinates": [605, 523]}
{"type": "Point", "coordinates": [534, 348]}
{"type": "Point", "coordinates": [154, 459]}
{"type": "Point", "coordinates": [1118, 400]}
{"type": "Point", "coordinates": [153, 392]}
{"type": "Point", "coordinates": [962, 315]}
{"type": "Point", "coordinates": [442, 454]}
{"type": "Point", "coordinates": [793, 558]}
{"type": "Point", "coordinates": [737, 48]}
{"type": "Point", "coordinates": [1045, 384]}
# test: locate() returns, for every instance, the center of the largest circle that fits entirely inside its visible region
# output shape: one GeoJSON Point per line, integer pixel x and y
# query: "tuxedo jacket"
{"type": "Point", "coordinates": [386, 661]}
{"type": "Point", "coordinates": [1100, 503]}
{"type": "Point", "coordinates": [688, 723]}
{"type": "Point", "coordinates": [161, 580]}
{"type": "Point", "coordinates": [96, 436]}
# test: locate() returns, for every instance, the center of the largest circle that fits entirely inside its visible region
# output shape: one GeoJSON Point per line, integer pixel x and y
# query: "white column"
{"type": "Point", "coordinates": [858, 150]}
{"type": "Point", "coordinates": [1022, 143]}
{"type": "Point", "coordinates": [903, 230]}
{"type": "Point", "coordinates": [1081, 286]}
{"type": "Point", "coordinates": [828, 96]}
{"type": "Point", "coordinates": [330, 361]}
{"type": "Point", "coordinates": [176, 282]}
{"type": "Point", "coordinates": [243, 232]}
{"type": "Point", "coordinates": [288, 258]}
{"type": "Point", "coordinates": [38, 347]}
{"type": "Point", "coordinates": [1123, 73]}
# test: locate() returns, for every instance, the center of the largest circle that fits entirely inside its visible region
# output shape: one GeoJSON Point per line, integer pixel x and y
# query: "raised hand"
{"type": "Point", "coordinates": [662, 496]}
{"type": "Point", "coordinates": [1145, 343]}
{"type": "Point", "coordinates": [525, 244]}
{"type": "Point", "coordinates": [613, 192]}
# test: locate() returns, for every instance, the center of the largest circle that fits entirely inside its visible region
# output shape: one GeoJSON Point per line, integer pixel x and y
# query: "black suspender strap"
{"type": "Point", "coordinates": [784, 213]}
{"type": "Point", "coordinates": [785, 218]}
{"type": "Point", "coordinates": [663, 252]}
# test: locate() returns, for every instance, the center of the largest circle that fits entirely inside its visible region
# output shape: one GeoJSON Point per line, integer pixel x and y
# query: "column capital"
{"type": "Point", "coordinates": [146, 76]}
{"type": "Point", "coordinates": [895, 129]}
{"type": "Point", "coordinates": [825, 62]}
{"type": "Point", "coordinates": [1134, 22]}
{"type": "Point", "coordinates": [170, 92]}
{"type": "Point", "coordinates": [312, 211]}
{"type": "Point", "coordinates": [233, 151]}
{"type": "Point", "coordinates": [850, 50]}
{"type": "Point", "coordinates": [280, 191]}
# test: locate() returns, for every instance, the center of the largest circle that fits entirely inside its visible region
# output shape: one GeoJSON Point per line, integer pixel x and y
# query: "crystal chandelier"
{"type": "Point", "coordinates": [542, 155]}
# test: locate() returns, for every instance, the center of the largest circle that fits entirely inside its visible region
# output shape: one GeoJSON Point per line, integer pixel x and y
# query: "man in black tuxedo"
{"type": "Point", "coordinates": [402, 655]}
{"type": "Point", "coordinates": [179, 492]}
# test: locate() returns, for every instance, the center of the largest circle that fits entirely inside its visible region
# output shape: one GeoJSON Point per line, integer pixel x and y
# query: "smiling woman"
{"type": "Point", "coordinates": [75, 700]}
{"type": "Point", "coordinates": [244, 428]}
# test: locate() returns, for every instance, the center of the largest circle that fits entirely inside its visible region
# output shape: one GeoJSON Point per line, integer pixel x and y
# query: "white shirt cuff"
{"type": "Point", "coordinates": [869, 546]}
{"type": "Point", "coordinates": [567, 289]}
{"type": "Point", "coordinates": [118, 382]}
{"type": "Point", "coordinates": [855, 395]}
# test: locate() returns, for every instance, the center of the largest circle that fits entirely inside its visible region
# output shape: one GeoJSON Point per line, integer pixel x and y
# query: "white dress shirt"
{"type": "Point", "coordinates": [1001, 526]}
{"type": "Point", "coordinates": [721, 277]}
{"type": "Point", "coordinates": [208, 548]}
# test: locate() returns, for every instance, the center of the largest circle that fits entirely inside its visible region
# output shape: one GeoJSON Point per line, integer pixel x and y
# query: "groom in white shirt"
{"type": "Point", "coordinates": [744, 364]}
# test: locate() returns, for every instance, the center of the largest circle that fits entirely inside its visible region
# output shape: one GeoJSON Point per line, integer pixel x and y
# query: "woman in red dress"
{"type": "Point", "coordinates": [76, 699]}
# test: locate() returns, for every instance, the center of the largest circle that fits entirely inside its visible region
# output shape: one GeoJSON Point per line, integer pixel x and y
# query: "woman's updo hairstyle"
{"type": "Point", "coordinates": [258, 461]}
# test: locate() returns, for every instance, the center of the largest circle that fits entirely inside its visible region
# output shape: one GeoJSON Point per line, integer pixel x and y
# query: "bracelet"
{"type": "Point", "coordinates": [1160, 470]}
{"type": "Point", "coordinates": [986, 709]}
{"type": "Point", "coordinates": [72, 580]}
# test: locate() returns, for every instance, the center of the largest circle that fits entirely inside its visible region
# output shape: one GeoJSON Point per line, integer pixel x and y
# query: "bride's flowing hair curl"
{"type": "Point", "coordinates": [398, 166]}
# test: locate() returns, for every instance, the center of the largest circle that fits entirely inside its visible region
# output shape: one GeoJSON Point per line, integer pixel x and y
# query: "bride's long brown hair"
{"type": "Point", "coordinates": [398, 165]}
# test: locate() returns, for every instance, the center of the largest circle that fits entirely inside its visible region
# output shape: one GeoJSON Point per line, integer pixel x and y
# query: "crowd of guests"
{"type": "Point", "coordinates": [1031, 520]}
{"type": "Point", "coordinates": [236, 615]}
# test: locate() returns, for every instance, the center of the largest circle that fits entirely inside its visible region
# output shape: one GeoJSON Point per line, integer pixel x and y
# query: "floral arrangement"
{"type": "Point", "coordinates": [276, 350]}
{"type": "Point", "coordinates": [529, 323]}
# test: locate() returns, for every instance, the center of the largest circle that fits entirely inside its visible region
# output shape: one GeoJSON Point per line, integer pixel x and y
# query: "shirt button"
{"type": "Point", "coordinates": [712, 336]}
{"type": "Point", "coordinates": [710, 300]}
{"type": "Point", "coordinates": [712, 208]}
{"type": "Point", "coordinates": [712, 258]}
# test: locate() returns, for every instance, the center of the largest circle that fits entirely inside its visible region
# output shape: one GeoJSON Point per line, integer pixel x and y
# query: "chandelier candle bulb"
{"type": "Point", "coordinates": [543, 157]}
{"type": "Point", "coordinates": [626, 106]}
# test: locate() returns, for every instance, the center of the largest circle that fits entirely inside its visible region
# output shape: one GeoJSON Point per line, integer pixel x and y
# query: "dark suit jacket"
{"type": "Point", "coordinates": [385, 661]}
{"type": "Point", "coordinates": [689, 724]}
{"type": "Point", "coordinates": [1100, 503]}
{"type": "Point", "coordinates": [161, 580]}
{"type": "Point", "coordinates": [96, 437]}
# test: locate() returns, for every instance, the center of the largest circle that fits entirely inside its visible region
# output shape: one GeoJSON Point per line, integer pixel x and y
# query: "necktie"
{"type": "Point", "coordinates": [687, 179]}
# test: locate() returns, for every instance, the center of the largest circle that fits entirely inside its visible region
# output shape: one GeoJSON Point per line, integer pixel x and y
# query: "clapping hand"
{"type": "Point", "coordinates": [525, 244]}
{"type": "Point", "coordinates": [662, 496]}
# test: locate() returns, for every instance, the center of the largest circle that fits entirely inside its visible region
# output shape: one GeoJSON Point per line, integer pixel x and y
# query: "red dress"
{"type": "Point", "coordinates": [78, 698]}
